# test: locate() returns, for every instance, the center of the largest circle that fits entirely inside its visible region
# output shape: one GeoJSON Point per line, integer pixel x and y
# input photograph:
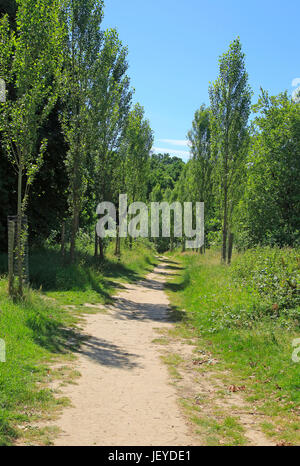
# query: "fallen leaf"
{"type": "Point", "coordinates": [234, 388]}
{"type": "Point", "coordinates": [198, 362]}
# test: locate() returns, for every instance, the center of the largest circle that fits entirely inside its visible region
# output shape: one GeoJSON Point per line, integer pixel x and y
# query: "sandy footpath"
{"type": "Point", "coordinates": [124, 395]}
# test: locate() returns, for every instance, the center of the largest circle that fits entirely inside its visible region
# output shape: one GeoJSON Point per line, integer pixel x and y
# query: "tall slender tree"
{"type": "Point", "coordinates": [230, 98]}
{"type": "Point", "coordinates": [202, 166]}
{"type": "Point", "coordinates": [138, 141]}
{"type": "Point", "coordinates": [30, 63]}
{"type": "Point", "coordinates": [83, 18]}
{"type": "Point", "coordinates": [110, 100]}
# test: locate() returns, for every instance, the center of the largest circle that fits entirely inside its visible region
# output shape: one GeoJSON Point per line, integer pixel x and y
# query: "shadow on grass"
{"type": "Point", "coordinates": [169, 261]}
{"type": "Point", "coordinates": [117, 270]}
{"type": "Point", "coordinates": [49, 333]}
{"type": "Point", "coordinates": [174, 267]}
{"type": "Point", "coordinates": [50, 272]}
{"type": "Point", "coordinates": [178, 286]}
{"type": "Point", "coordinates": [176, 314]}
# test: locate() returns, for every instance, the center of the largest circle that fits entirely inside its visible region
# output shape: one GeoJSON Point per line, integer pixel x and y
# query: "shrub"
{"type": "Point", "coordinates": [274, 274]}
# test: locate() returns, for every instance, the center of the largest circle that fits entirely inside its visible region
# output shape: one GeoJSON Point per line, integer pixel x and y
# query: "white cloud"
{"type": "Point", "coordinates": [163, 150]}
{"type": "Point", "coordinates": [176, 142]}
{"type": "Point", "coordinates": [295, 82]}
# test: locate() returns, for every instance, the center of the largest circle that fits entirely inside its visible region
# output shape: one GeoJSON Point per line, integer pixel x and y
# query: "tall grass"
{"type": "Point", "coordinates": [89, 279]}
{"type": "Point", "coordinates": [248, 314]}
{"type": "Point", "coordinates": [33, 333]}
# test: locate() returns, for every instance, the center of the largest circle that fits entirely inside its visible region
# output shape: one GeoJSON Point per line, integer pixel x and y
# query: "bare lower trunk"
{"type": "Point", "coordinates": [101, 249]}
{"type": "Point", "coordinates": [19, 236]}
{"type": "Point", "coordinates": [230, 246]}
{"type": "Point", "coordinates": [225, 227]}
{"type": "Point", "coordinates": [96, 244]}
{"type": "Point", "coordinates": [62, 240]}
{"type": "Point", "coordinates": [117, 243]}
{"type": "Point", "coordinates": [75, 224]}
{"type": "Point", "coordinates": [11, 242]}
{"type": "Point", "coordinates": [183, 244]}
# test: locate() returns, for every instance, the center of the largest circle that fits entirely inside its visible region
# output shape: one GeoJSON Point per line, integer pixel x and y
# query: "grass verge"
{"type": "Point", "coordinates": [245, 330]}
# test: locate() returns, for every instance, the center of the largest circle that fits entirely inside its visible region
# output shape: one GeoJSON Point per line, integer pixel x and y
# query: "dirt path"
{"type": "Point", "coordinates": [124, 395]}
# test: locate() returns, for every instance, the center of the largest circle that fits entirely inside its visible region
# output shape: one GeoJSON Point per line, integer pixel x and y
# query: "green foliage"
{"type": "Point", "coordinates": [165, 172]}
{"type": "Point", "coordinates": [201, 171]}
{"type": "Point", "coordinates": [83, 43]}
{"type": "Point", "coordinates": [138, 140]}
{"type": "Point", "coordinates": [228, 311]}
{"type": "Point", "coordinates": [269, 212]}
{"type": "Point", "coordinates": [30, 64]}
{"type": "Point", "coordinates": [110, 104]}
{"type": "Point", "coordinates": [230, 98]}
{"type": "Point", "coordinates": [274, 274]}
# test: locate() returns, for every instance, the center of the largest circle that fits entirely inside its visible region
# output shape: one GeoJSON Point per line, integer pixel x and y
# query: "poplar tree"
{"type": "Point", "coordinates": [110, 100]}
{"type": "Point", "coordinates": [201, 162]}
{"type": "Point", "coordinates": [83, 18]}
{"type": "Point", "coordinates": [138, 141]}
{"type": "Point", "coordinates": [30, 64]}
{"type": "Point", "coordinates": [230, 97]}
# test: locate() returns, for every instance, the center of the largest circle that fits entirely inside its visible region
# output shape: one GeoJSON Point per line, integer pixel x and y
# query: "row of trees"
{"type": "Point", "coordinates": [70, 138]}
{"type": "Point", "coordinates": [247, 174]}
{"type": "Point", "coordinates": [67, 78]}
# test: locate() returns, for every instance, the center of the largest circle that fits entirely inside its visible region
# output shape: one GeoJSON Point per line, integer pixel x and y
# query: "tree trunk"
{"type": "Point", "coordinates": [101, 248]}
{"type": "Point", "coordinates": [62, 240]}
{"type": "Point", "coordinates": [183, 244]}
{"type": "Point", "coordinates": [117, 243]}
{"type": "Point", "coordinates": [230, 246]}
{"type": "Point", "coordinates": [96, 244]}
{"type": "Point", "coordinates": [75, 224]}
{"type": "Point", "coordinates": [119, 247]}
{"type": "Point", "coordinates": [11, 243]}
{"type": "Point", "coordinates": [225, 232]}
{"type": "Point", "coordinates": [19, 235]}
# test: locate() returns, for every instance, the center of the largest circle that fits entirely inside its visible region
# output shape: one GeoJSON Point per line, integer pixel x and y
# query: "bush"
{"type": "Point", "coordinates": [274, 274]}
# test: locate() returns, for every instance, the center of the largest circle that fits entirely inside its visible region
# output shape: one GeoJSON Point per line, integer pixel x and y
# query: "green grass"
{"type": "Point", "coordinates": [235, 321]}
{"type": "Point", "coordinates": [89, 280]}
{"type": "Point", "coordinates": [34, 335]}
{"type": "Point", "coordinates": [40, 330]}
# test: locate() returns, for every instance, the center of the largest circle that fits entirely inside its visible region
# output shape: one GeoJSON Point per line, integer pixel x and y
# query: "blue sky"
{"type": "Point", "coordinates": [174, 48]}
